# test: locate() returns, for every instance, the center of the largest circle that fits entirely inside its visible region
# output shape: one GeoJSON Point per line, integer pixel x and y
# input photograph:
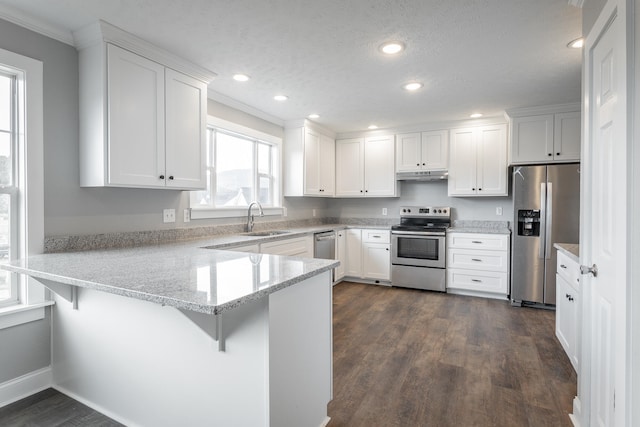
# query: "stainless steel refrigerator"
{"type": "Point", "coordinates": [546, 209]}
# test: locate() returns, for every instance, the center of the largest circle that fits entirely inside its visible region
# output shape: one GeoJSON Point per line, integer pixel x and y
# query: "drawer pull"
{"type": "Point", "coordinates": [563, 266]}
{"type": "Point", "coordinates": [377, 236]}
{"type": "Point", "coordinates": [476, 260]}
{"type": "Point", "coordinates": [476, 241]}
{"type": "Point", "coordinates": [476, 280]}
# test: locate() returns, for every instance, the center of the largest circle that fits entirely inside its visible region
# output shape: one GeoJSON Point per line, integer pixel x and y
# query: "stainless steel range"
{"type": "Point", "coordinates": [418, 248]}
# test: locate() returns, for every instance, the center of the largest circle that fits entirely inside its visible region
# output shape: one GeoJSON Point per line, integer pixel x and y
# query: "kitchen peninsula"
{"type": "Point", "coordinates": [179, 334]}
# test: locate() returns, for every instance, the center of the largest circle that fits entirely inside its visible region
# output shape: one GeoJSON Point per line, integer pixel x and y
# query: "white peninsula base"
{"type": "Point", "coordinates": [148, 365]}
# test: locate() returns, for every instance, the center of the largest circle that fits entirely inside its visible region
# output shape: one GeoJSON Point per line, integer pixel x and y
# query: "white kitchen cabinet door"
{"type": "Point", "coordinates": [341, 254]}
{"type": "Point", "coordinates": [379, 167]}
{"type": "Point", "coordinates": [567, 137]}
{"type": "Point", "coordinates": [478, 163]}
{"type": "Point", "coordinates": [350, 167]}
{"type": "Point", "coordinates": [185, 144]}
{"type": "Point", "coordinates": [297, 246]}
{"type": "Point", "coordinates": [136, 126]}
{"type": "Point", "coordinates": [376, 261]}
{"type": "Point", "coordinates": [311, 163]}
{"type": "Point", "coordinates": [462, 165]}
{"type": "Point", "coordinates": [492, 161]}
{"type": "Point", "coordinates": [327, 166]}
{"type": "Point", "coordinates": [408, 152]}
{"type": "Point", "coordinates": [566, 308]}
{"type": "Point", "coordinates": [532, 139]}
{"type": "Point", "coordinates": [435, 150]}
{"type": "Point", "coordinates": [353, 265]}
{"type": "Point", "coordinates": [422, 151]}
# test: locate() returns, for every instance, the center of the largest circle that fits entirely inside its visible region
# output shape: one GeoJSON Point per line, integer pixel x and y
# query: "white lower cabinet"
{"type": "Point", "coordinates": [568, 307]}
{"type": "Point", "coordinates": [478, 264]}
{"type": "Point", "coordinates": [341, 255]}
{"type": "Point", "coordinates": [297, 246]}
{"type": "Point", "coordinates": [368, 255]}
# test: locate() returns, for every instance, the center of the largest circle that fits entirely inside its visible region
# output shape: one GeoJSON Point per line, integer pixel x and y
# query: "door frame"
{"type": "Point", "coordinates": [627, 15]}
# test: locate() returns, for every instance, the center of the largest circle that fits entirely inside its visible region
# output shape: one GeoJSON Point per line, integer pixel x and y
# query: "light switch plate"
{"type": "Point", "coordinates": [187, 215]}
{"type": "Point", "coordinates": [384, 211]}
{"type": "Point", "coordinates": [169, 215]}
{"type": "Point", "coordinates": [499, 210]}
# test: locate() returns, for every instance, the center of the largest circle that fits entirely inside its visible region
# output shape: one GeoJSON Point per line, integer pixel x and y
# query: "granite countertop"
{"type": "Point", "coordinates": [481, 227]}
{"type": "Point", "coordinates": [182, 275]}
{"type": "Point", "coordinates": [572, 250]}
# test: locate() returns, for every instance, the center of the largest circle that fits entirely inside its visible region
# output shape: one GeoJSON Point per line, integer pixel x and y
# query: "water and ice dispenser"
{"type": "Point", "coordinates": [529, 222]}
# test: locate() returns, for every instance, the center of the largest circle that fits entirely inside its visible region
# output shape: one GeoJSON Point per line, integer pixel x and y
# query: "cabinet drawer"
{"type": "Point", "coordinates": [495, 242]}
{"type": "Point", "coordinates": [480, 281]}
{"type": "Point", "coordinates": [300, 246]}
{"type": "Point", "coordinates": [568, 269]}
{"type": "Point", "coordinates": [478, 260]}
{"type": "Point", "coordinates": [376, 236]}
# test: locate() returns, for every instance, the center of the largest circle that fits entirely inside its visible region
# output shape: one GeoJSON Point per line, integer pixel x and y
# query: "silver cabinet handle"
{"type": "Point", "coordinates": [543, 218]}
{"type": "Point", "coordinates": [585, 269]}
{"type": "Point", "coordinates": [549, 220]}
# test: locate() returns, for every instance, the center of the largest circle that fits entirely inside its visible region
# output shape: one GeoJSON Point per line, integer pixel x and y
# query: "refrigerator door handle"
{"type": "Point", "coordinates": [549, 224]}
{"type": "Point", "coordinates": [543, 219]}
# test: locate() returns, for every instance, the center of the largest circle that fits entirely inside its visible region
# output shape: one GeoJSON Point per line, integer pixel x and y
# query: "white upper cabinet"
{"type": "Point", "coordinates": [365, 167]}
{"type": "Point", "coordinates": [309, 161]}
{"type": "Point", "coordinates": [478, 161]}
{"type": "Point", "coordinates": [142, 123]}
{"type": "Point", "coordinates": [424, 151]}
{"type": "Point", "coordinates": [545, 138]}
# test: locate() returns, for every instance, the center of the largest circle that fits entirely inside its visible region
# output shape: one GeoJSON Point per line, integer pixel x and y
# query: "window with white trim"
{"type": "Point", "coordinates": [242, 166]}
{"type": "Point", "coordinates": [21, 184]}
{"type": "Point", "coordinates": [9, 221]}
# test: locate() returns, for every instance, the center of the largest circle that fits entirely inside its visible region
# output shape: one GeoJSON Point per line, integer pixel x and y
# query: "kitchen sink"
{"type": "Point", "coordinates": [265, 233]}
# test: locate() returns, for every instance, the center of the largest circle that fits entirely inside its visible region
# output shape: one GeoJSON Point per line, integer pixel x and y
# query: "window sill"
{"type": "Point", "coordinates": [22, 313]}
{"type": "Point", "coordinates": [209, 213]}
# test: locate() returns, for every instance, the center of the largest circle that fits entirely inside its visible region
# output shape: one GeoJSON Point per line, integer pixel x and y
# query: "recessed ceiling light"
{"type": "Point", "coordinates": [372, 127]}
{"type": "Point", "coordinates": [313, 116]}
{"type": "Point", "coordinates": [391, 48]}
{"type": "Point", "coordinates": [241, 77]}
{"type": "Point", "coordinates": [412, 86]}
{"type": "Point", "coordinates": [280, 97]}
{"type": "Point", "coordinates": [576, 44]}
{"type": "Point", "coordinates": [476, 115]}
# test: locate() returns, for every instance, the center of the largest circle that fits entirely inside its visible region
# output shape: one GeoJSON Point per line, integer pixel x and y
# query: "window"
{"type": "Point", "coordinates": [8, 191]}
{"type": "Point", "coordinates": [243, 165]}
{"type": "Point", "coordinates": [21, 184]}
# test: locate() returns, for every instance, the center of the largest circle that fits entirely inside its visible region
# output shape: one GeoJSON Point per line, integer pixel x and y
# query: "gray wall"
{"type": "Point", "coordinates": [27, 347]}
{"type": "Point", "coordinates": [425, 194]}
{"type": "Point", "coordinates": [590, 12]}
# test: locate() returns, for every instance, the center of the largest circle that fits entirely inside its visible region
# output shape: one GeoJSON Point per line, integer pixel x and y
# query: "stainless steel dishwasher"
{"type": "Point", "coordinates": [324, 245]}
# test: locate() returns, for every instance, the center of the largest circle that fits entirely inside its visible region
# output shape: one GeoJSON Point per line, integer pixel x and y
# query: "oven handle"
{"type": "Point", "coordinates": [422, 234]}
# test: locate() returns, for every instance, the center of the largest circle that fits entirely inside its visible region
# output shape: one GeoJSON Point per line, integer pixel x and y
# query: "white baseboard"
{"type": "Point", "coordinates": [577, 412]}
{"type": "Point", "coordinates": [24, 386]}
{"type": "Point", "coordinates": [325, 422]}
{"type": "Point", "coordinates": [95, 406]}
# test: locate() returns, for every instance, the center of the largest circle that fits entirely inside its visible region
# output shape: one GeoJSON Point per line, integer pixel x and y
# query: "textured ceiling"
{"type": "Point", "coordinates": [472, 55]}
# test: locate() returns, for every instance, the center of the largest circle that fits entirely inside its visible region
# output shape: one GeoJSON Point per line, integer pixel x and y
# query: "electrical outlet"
{"type": "Point", "coordinates": [313, 212]}
{"type": "Point", "coordinates": [284, 211]}
{"type": "Point", "coordinates": [499, 210]}
{"type": "Point", "coordinates": [187, 215]}
{"type": "Point", "coordinates": [169, 215]}
{"type": "Point", "coordinates": [384, 211]}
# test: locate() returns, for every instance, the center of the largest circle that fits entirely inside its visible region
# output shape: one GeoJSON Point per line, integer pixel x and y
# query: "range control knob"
{"type": "Point", "coordinates": [409, 210]}
{"type": "Point", "coordinates": [404, 210]}
{"type": "Point", "coordinates": [444, 211]}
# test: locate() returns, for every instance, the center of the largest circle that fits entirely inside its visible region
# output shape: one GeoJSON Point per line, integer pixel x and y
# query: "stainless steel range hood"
{"type": "Point", "coordinates": [422, 176]}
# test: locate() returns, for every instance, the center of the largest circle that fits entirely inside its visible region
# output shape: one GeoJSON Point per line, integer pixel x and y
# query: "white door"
{"type": "Point", "coordinates": [341, 255]}
{"type": "Point", "coordinates": [462, 163]}
{"type": "Point", "coordinates": [136, 120]}
{"type": "Point", "coordinates": [491, 148]}
{"type": "Point", "coordinates": [186, 115]}
{"type": "Point", "coordinates": [435, 150]}
{"type": "Point", "coordinates": [350, 167]}
{"type": "Point", "coordinates": [604, 209]}
{"type": "Point", "coordinates": [327, 166]}
{"type": "Point", "coordinates": [311, 163]}
{"type": "Point", "coordinates": [379, 166]}
{"type": "Point", "coordinates": [376, 261]}
{"type": "Point", "coordinates": [353, 264]}
{"type": "Point", "coordinates": [566, 137]}
{"type": "Point", "coordinates": [408, 152]}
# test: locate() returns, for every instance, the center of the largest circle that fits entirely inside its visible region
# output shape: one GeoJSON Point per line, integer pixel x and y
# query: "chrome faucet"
{"type": "Point", "coordinates": [250, 216]}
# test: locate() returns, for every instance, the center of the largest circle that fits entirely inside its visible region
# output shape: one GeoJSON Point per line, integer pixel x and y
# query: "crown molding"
{"type": "Point", "coordinates": [543, 109]}
{"type": "Point", "coordinates": [576, 3]}
{"type": "Point", "coordinates": [103, 32]}
{"type": "Point", "coordinates": [240, 106]}
{"type": "Point", "coordinates": [37, 25]}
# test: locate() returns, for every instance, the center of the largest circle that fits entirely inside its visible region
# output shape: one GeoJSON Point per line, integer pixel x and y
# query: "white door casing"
{"type": "Point", "coordinates": [602, 377]}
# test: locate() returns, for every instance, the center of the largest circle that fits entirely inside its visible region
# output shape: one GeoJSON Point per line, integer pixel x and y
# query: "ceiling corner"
{"type": "Point", "coordinates": [35, 24]}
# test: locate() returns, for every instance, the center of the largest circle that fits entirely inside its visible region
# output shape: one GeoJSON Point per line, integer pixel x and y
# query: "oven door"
{"type": "Point", "coordinates": [417, 249]}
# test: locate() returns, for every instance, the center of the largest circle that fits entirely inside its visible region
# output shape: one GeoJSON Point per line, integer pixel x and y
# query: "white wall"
{"type": "Point", "coordinates": [425, 194]}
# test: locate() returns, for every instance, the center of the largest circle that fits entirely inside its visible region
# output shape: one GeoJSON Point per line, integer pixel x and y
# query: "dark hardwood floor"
{"type": "Point", "coordinates": [412, 358]}
{"type": "Point", "coordinates": [50, 408]}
